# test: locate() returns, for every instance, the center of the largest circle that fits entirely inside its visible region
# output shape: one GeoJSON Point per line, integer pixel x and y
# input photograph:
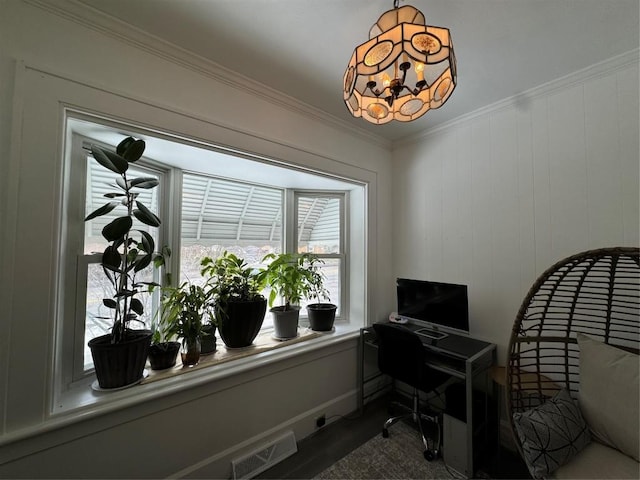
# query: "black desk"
{"type": "Point", "coordinates": [462, 357]}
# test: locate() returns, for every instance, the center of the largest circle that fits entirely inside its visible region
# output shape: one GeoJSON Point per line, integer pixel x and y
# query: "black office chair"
{"type": "Point", "coordinates": [401, 355]}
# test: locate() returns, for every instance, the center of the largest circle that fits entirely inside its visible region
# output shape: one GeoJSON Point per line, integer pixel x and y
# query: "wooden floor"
{"type": "Point", "coordinates": [332, 442]}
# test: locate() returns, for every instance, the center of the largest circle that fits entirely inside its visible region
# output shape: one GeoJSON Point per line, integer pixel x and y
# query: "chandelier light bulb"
{"type": "Point", "coordinates": [419, 72]}
{"type": "Point", "coordinates": [386, 80]}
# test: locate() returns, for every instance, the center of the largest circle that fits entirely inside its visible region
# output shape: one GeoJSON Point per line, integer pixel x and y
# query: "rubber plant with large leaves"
{"type": "Point", "coordinates": [129, 250]}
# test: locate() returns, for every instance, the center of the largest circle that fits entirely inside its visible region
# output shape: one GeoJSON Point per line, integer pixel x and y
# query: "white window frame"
{"type": "Point", "coordinates": [343, 253]}
{"type": "Point", "coordinates": [69, 347]}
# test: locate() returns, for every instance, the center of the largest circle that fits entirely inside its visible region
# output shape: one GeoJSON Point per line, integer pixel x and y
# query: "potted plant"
{"type": "Point", "coordinates": [238, 304]}
{"type": "Point", "coordinates": [321, 315]}
{"type": "Point", "coordinates": [164, 349]}
{"type": "Point", "coordinates": [119, 357]}
{"type": "Point", "coordinates": [163, 354]}
{"type": "Point", "coordinates": [169, 322]}
{"type": "Point", "coordinates": [208, 336]}
{"type": "Point", "coordinates": [291, 277]}
{"type": "Point", "coordinates": [184, 308]}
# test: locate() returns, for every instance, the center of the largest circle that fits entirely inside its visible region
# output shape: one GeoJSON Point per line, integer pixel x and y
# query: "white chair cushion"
{"type": "Point", "coordinates": [599, 461]}
{"type": "Point", "coordinates": [609, 394]}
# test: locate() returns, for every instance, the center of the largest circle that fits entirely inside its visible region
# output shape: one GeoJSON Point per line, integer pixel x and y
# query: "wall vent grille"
{"type": "Point", "coordinates": [259, 460]}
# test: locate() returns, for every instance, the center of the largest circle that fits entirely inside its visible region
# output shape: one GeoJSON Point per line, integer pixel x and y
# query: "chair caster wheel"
{"type": "Point", "coordinates": [385, 433]}
{"type": "Point", "coordinates": [428, 455]}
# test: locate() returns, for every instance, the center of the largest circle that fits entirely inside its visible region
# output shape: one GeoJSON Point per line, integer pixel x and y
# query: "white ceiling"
{"type": "Point", "coordinates": [301, 47]}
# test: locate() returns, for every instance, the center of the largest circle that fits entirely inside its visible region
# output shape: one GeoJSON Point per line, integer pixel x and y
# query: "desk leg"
{"type": "Point", "coordinates": [470, 420]}
{"type": "Point", "coordinates": [360, 379]}
{"type": "Point", "coordinates": [478, 414]}
{"type": "Point", "coordinates": [497, 392]}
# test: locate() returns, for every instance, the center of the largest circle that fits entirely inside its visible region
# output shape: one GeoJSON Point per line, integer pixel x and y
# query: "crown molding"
{"type": "Point", "coordinates": [89, 17]}
{"type": "Point", "coordinates": [596, 70]}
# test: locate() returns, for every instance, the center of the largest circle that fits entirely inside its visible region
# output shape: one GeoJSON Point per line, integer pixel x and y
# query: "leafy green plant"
{"type": "Point", "coordinates": [229, 278]}
{"type": "Point", "coordinates": [317, 277]}
{"type": "Point", "coordinates": [238, 303]}
{"type": "Point", "coordinates": [162, 325]}
{"type": "Point", "coordinates": [129, 250]}
{"type": "Point", "coordinates": [182, 311]}
{"type": "Point", "coordinates": [293, 277]}
{"type": "Point", "coordinates": [162, 322]}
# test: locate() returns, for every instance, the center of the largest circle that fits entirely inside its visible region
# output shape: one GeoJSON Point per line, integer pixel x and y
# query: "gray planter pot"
{"type": "Point", "coordinates": [285, 322]}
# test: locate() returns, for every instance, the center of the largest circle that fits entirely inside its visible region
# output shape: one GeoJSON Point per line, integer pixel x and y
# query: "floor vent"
{"type": "Point", "coordinates": [250, 465]}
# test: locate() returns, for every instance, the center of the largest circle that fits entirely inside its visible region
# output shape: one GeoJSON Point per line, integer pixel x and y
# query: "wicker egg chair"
{"type": "Point", "coordinates": [596, 293]}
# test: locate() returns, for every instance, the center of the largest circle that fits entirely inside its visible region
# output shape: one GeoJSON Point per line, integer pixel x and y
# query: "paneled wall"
{"type": "Point", "coordinates": [74, 59]}
{"type": "Point", "coordinates": [494, 199]}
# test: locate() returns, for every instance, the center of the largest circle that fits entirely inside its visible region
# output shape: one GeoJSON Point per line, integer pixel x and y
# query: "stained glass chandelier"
{"type": "Point", "coordinates": [405, 69]}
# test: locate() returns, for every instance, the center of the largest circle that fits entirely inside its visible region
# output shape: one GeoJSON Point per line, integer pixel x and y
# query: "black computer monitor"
{"type": "Point", "coordinates": [441, 304]}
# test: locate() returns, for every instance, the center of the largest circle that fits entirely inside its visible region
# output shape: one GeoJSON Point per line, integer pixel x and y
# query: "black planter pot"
{"type": "Point", "coordinates": [321, 316]}
{"type": "Point", "coordinates": [120, 364]}
{"type": "Point", "coordinates": [163, 355]}
{"type": "Point", "coordinates": [240, 322]}
{"type": "Point", "coordinates": [208, 339]}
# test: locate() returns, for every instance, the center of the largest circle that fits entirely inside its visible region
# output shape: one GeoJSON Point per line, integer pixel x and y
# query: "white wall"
{"type": "Point", "coordinates": [69, 58]}
{"type": "Point", "coordinates": [492, 201]}
{"type": "Point", "coordinates": [496, 198]}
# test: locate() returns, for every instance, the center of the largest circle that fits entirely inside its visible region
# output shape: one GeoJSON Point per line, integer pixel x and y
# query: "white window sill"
{"type": "Point", "coordinates": [264, 342]}
{"type": "Point", "coordinates": [82, 402]}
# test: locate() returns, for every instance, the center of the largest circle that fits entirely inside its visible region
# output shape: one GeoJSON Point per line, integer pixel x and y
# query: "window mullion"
{"type": "Point", "coordinates": [290, 222]}
{"type": "Point", "coordinates": [73, 288]}
{"type": "Point", "coordinates": [174, 221]}
{"type": "Point", "coordinates": [80, 313]}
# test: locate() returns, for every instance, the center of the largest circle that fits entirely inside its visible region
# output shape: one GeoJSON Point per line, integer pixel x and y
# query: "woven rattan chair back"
{"type": "Point", "coordinates": [596, 293]}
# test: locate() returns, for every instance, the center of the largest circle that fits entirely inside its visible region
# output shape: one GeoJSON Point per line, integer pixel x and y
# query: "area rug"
{"type": "Point", "coordinates": [397, 457]}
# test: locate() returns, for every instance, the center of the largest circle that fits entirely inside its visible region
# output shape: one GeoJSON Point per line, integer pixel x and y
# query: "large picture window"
{"type": "Point", "coordinates": [213, 202]}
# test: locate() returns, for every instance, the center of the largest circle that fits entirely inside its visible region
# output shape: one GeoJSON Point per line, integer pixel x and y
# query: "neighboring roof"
{"type": "Point", "coordinates": [216, 210]}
